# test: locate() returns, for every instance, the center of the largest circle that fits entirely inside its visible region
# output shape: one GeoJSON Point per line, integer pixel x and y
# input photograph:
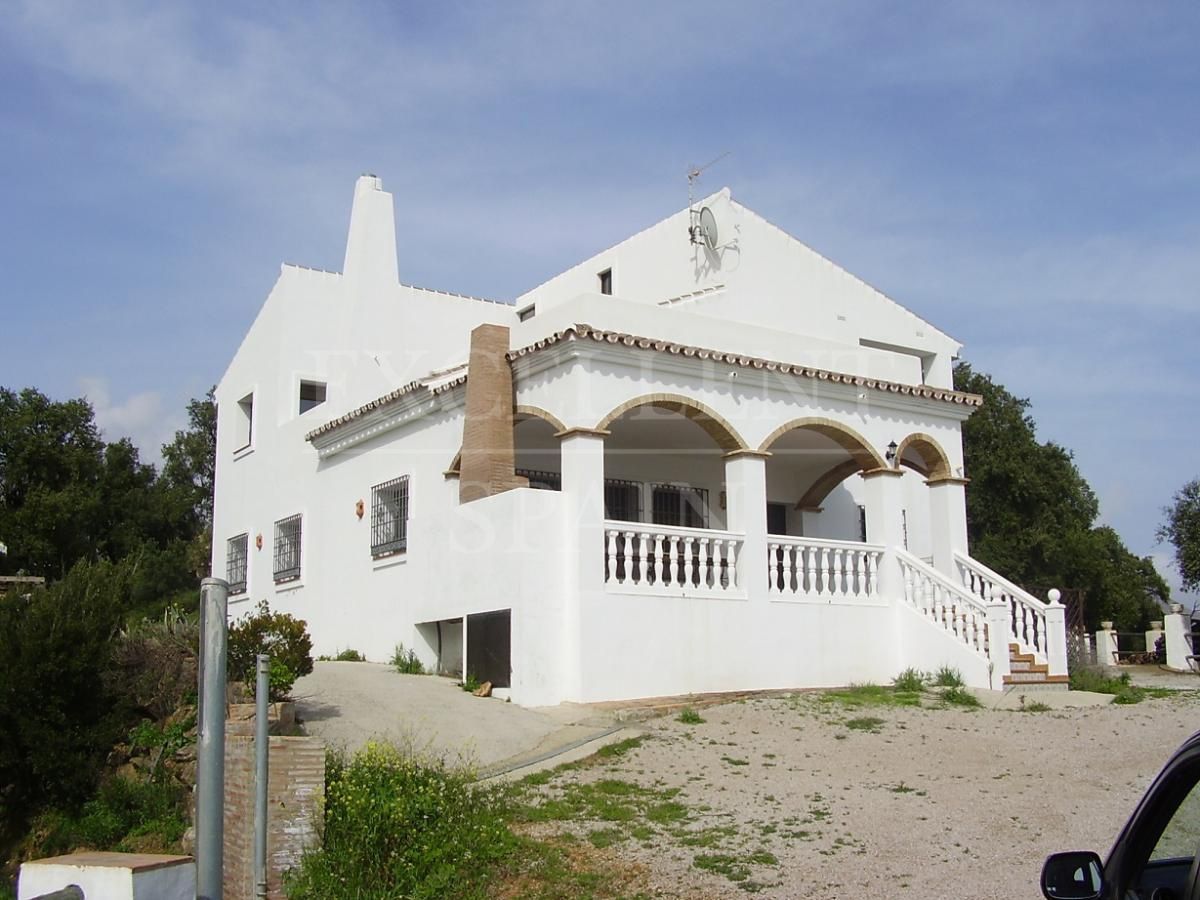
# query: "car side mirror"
{"type": "Point", "coordinates": [1077, 875]}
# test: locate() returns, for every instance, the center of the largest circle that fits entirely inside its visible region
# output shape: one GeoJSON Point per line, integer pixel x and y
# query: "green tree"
{"type": "Point", "coordinates": [51, 458]}
{"type": "Point", "coordinates": [189, 465]}
{"type": "Point", "coordinates": [1031, 514]}
{"type": "Point", "coordinates": [1182, 530]}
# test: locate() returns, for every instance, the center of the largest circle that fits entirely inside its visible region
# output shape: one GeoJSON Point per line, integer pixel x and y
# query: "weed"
{"type": "Point", "coordinates": [859, 695]}
{"type": "Point", "coordinates": [735, 762]}
{"type": "Point", "coordinates": [948, 677]}
{"type": "Point", "coordinates": [689, 716]}
{"type": "Point", "coordinates": [865, 723]}
{"type": "Point", "coordinates": [901, 788]}
{"type": "Point", "coordinates": [406, 663]}
{"type": "Point", "coordinates": [605, 837]}
{"type": "Point", "coordinates": [1096, 681]}
{"type": "Point", "coordinates": [1035, 706]}
{"type": "Point", "coordinates": [620, 748]}
{"type": "Point", "coordinates": [910, 681]}
{"type": "Point", "coordinates": [960, 696]}
{"type": "Point", "coordinates": [470, 683]}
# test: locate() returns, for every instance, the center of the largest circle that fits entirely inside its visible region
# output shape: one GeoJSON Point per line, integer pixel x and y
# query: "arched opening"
{"type": "Point", "coordinates": [809, 489]}
{"type": "Point", "coordinates": [723, 434]}
{"type": "Point", "coordinates": [923, 454]}
{"type": "Point", "coordinates": [537, 450]}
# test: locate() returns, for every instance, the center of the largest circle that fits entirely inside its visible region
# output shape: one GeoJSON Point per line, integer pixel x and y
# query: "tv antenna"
{"type": "Point", "coordinates": [703, 226]}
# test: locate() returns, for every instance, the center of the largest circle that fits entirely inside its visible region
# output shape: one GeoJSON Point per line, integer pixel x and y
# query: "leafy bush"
{"type": "Point", "coordinates": [406, 662]}
{"type": "Point", "coordinates": [279, 681]}
{"type": "Point", "coordinates": [58, 718]}
{"type": "Point", "coordinates": [125, 815]}
{"type": "Point", "coordinates": [350, 655]}
{"type": "Point", "coordinates": [399, 827]}
{"type": "Point", "coordinates": [155, 661]}
{"type": "Point", "coordinates": [689, 716]}
{"type": "Point", "coordinates": [948, 677]}
{"type": "Point", "coordinates": [910, 681]}
{"type": "Point", "coordinates": [284, 637]}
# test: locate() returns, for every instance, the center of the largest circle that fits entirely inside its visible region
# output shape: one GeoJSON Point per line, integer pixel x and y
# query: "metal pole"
{"type": "Point", "coordinates": [210, 751]}
{"type": "Point", "coordinates": [261, 747]}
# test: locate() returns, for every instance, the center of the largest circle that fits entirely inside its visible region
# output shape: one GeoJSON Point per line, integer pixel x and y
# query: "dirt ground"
{"type": "Point", "coordinates": [803, 797]}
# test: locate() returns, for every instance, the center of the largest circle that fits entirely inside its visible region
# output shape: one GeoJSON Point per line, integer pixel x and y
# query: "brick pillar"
{"type": "Point", "coordinates": [488, 455]}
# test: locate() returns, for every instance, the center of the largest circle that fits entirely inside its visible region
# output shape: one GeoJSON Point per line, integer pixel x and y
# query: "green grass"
{"type": "Point", "coordinates": [960, 696]}
{"type": "Point", "coordinates": [619, 748]}
{"type": "Point", "coordinates": [858, 696]}
{"type": "Point", "coordinates": [1096, 681]}
{"type": "Point", "coordinates": [689, 716]}
{"type": "Point", "coordinates": [910, 681]}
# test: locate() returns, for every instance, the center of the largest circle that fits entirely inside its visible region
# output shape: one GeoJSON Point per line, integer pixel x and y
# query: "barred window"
{"type": "Point", "coordinates": [680, 505]}
{"type": "Point", "coordinates": [622, 500]}
{"type": "Point", "coordinates": [542, 480]}
{"type": "Point", "coordinates": [235, 563]}
{"type": "Point", "coordinates": [389, 517]}
{"type": "Point", "coordinates": [287, 549]}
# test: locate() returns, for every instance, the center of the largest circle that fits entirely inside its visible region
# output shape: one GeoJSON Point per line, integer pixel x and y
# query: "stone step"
{"type": "Point", "coordinates": [1021, 665]}
{"type": "Point", "coordinates": [1036, 678]}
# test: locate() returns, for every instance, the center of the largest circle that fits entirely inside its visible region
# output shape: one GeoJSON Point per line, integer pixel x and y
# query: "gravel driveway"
{"type": "Point", "coordinates": [796, 797]}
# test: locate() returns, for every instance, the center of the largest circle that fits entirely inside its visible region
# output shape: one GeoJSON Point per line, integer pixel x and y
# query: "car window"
{"type": "Point", "coordinates": [1181, 837]}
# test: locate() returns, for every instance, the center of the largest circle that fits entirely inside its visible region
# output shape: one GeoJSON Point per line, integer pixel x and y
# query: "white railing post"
{"type": "Point", "coordinates": [1056, 634]}
{"type": "Point", "coordinates": [1177, 626]}
{"type": "Point", "coordinates": [999, 633]}
{"type": "Point", "coordinates": [1106, 645]}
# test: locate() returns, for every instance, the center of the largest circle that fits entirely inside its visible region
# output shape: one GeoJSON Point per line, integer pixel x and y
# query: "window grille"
{"type": "Point", "coordinates": [389, 517]}
{"type": "Point", "coordinates": [287, 549]}
{"type": "Point", "coordinates": [622, 500]}
{"type": "Point", "coordinates": [541, 480]}
{"type": "Point", "coordinates": [680, 505]}
{"type": "Point", "coordinates": [235, 563]}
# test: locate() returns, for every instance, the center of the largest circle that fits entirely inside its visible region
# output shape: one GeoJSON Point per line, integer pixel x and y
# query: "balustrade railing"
{"type": "Point", "coordinates": [946, 604]}
{"type": "Point", "coordinates": [669, 559]}
{"type": "Point", "coordinates": [822, 569]}
{"type": "Point", "coordinates": [1027, 614]}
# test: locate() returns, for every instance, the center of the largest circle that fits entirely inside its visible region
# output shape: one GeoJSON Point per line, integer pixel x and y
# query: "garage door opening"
{"type": "Point", "coordinates": [489, 647]}
{"type": "Point", "coordinates": [444, 643]}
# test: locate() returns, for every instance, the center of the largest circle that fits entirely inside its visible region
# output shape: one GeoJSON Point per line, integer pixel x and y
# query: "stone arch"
{"type": "Point", "coordinates": [714, 424]}
{"type": "Point", "coordinates": [537, 412]}
{"type": "Point", "coordinates": [821, 488]}
{"type": "Point", "coordinates": [933, 462]}
{"type": "Point", "coordinates": [847, 438]}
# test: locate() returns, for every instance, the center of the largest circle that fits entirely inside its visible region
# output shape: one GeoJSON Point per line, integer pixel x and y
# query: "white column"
{"type": "Point", "coordinates": [1178, 627]}
{"type": "Point", "coordinates": [1106, 645]}
{"type": "Point", "coordinates": [746, 514]}
{"type": "Point", "coordinates": [947, 522]}
{"type": "Point", "coordinates": [1056, 634]}
{"type": "Point", "coordinates": [583, 525]}
{"type": "Point", "coordinates": [884, 501]}
{"type": "Point", "coordinates": [1152, 636]}
{"type": "Point", "coordinates": [999, 634]}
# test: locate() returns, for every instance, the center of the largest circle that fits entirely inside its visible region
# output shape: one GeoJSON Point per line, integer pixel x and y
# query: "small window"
{"type": "Point", "coordinates": [606, 281]}
{"type": "Point", "coordinates": [245, 422]}
{"type": "Point", "coordinates": [235, 563]}
{"type": "Point", "coordinates": [527, 313]}
{"type": "Point", "coordinates": [389, 517]}
{"type": "Point", "coordinates": [312, 393]}
{"type": "Point", "coordinates": [541, 480]}
{"type": "Point", "coordinates": [862, 524]}
{"type": "Point", "coordinates": [287, 549]}
{"type": "Point", "coordinates": [622, 500]}
{"type": "Point", "coordinates": [680, 505]}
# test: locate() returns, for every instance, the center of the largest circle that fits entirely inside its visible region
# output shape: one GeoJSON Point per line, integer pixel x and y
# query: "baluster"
{"type": "Point", "coordinates": [643, 558]}
{"type": "Point", "coordinates": [627, 545]}
{"type": "Point", "coordinates": [795, 569]}
{"type": "Point", "coordinates": [673, 562]}
{"type": "Point", "coordinates": [872, 574]}
{"type": "Point", "coordinates": [731, 556]}
{"type": "Point", "coordinates": [860, 561]}
{"type": "Point", "coordinates": [690, 552]}
{"type": "Point", "coordinates": [1041, 623]}
{"type": "Point", "coordinates": [835, 572]}
{"type": "Point", "coordinates": [909, 596]}
{"type": "Point", "coordinates": [939, 607]}
{"type": "Point", "coordinates": [702, 566]}
{"type": "Point", "coordinates": [660, 559]}
{"type": "Point", "coordinates": [610, 573]}
{"type": "Point", "coordinates": [810, 569]}
{"type": "Point", "coordinates": [823, 573]}
{"type": "Point", "coordinates": [718, 564]}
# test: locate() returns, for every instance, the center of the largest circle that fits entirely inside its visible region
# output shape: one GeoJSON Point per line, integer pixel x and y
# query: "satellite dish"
{"type": "Point", "coordinates": [708, 228]}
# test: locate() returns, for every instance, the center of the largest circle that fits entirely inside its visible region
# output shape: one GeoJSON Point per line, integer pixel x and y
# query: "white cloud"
{"type": "Point", "coordinates": [139, 417]}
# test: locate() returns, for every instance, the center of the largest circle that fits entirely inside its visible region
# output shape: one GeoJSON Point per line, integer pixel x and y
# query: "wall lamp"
{"type": "Point", "coordinates": [891, 452]}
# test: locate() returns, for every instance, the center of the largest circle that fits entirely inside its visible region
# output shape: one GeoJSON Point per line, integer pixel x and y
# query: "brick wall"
{"type": "Point", "coordinates": [488, 457]}
{"type": "Point", "coordinates": [295, 789]}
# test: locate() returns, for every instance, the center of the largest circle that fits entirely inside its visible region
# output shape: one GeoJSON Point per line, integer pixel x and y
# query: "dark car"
{"type": "Point", "coordinates": [1157, 854]}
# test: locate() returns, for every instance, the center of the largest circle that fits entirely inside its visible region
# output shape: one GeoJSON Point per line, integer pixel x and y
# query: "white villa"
{"type": "Point", "coordinates": [706, 459]}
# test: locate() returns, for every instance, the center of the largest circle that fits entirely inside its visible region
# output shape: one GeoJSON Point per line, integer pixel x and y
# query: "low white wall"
{"type": "Point", "coordinates": [927, 647]}
{"type": "Point", "coordinates": [645, 646]}
{"type": "Point", "coordinates": [110, 876]}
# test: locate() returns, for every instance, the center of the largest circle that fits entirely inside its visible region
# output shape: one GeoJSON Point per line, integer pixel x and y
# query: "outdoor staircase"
{"type": "Point", "coordinates": [1028, 673]}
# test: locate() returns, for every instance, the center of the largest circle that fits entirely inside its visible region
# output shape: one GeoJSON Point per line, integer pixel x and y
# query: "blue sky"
{"type": "Point", "coordinates": [1025, 175]}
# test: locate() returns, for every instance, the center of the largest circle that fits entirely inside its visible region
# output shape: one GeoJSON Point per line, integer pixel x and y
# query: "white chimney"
{"type": "Point", "coordinates": [370, 264]}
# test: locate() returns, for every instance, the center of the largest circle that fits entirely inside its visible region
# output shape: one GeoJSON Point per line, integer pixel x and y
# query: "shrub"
{"type": "Point", "coordinates": [399, 827]}
{"type": "Point", "coordinates": [349, 655]}
{"type": "Point", "coordinates": [125, 815]}
{"type": "Point", "coordinates": [279, 681]}
{"type": "Point", "coordinates": [280, 635]}
{"type": "Point", "coordinates": [1096, 681]}
{"type": "Point", "coordinates": [948, 677]}
{"type": "Point", "coordinates": [960, 696]}
{"type": "Point", "coordinates": [154, 663]}
{"type": "Point", "coordinates": [58, 718]}
{"type": "Point", "coordinates": [406, 662]}
{"type": "Point", "coordinates": [689, 716]}
{"type": "Point", "coordinates": [910, 681]}
{"type": "Point", "coordinates": [470, 683]}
